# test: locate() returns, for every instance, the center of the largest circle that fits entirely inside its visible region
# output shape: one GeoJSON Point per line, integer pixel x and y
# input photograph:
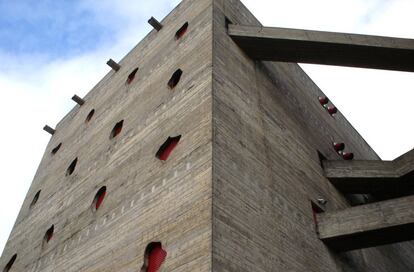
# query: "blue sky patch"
{"type": "Point", "coordinates": [46, 27]}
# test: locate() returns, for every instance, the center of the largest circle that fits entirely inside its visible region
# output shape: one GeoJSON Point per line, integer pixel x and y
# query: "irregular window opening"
{"type": "Point", "coordinates": [71, 167]}
{"type": "Point", "coordinates": [154, 256]}
{"type": "Point", "coordinates": [167, 147]}
{"type": "Point", "coordinates": [321, 158]}
{"type": "Point", "coordinates": [98, 199]}
{"type": "Point", "coordinates": [175, 78]}
{"type": "Point", "coordinates": [90, 115]}
{"type": "Point", "coordinates": [131, 76]}
{"type": "Point", "coordinates": [347, 156]}
{"type": "Point", "coordinates": [35, 199]}
{"type": "Point", "coordinates": [227, 22]}
{"type": "Point", "coordinates": [56, 149]}
{"type": "Point", "coordinates": [10, 263]}
{"type": "Point", "coordinates": [316, 209]}
{"type": "Point", "coordinates": [180, 32]}
{"type": "Point", "coordinates": [117, 129]}
{"type": "Point", "coordinates": [49, 234]}
{"type": "Point", "coordinates": [338, 146]}
{"type": "Point", "coordinates": [323, 100]}
{"type": "Point", "coordinates": [332, 110]}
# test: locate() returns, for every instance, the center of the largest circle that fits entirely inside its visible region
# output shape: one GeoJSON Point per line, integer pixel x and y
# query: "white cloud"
{"type": "Point", "coordinates": [333, 15]}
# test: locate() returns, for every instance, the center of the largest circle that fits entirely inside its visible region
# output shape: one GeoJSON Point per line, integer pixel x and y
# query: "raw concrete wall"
{"type": "Point", "coordinates": [146, 199]}
{"type": "Point", "coordinates": [234, 195]}
{"type": "Point", "coordinates": [268, 127]}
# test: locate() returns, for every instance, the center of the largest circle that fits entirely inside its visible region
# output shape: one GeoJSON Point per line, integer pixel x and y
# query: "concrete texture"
{"type": "Point", "coordinates": [234, 195]}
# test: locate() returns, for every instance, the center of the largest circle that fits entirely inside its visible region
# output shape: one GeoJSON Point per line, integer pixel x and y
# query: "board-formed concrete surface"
{"type": "Point", "coordinates": [233, 193]}
{"type": "Point", "coordinates": [319, 47]}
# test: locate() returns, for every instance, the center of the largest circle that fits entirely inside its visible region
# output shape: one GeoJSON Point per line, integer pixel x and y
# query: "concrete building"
{"type": "Point", "coordinates": [202, 151]}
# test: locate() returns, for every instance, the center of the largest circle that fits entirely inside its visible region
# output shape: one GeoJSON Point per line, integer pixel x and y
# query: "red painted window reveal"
{"type": "Point", "coordinates": [90, 115]}
{"type": "Point", "coordinates": [315, 220]}
{"type": "Point", "coordinates": [338, 146]}
{"type": "Point", "coordinates": [131, 76]}
{"type": "Point", "coordinates": [35, 198]}
{"type": "Point", "coordinates": [56, 149]}
{"type": "Point", "coordinates": [332, 110]}
{"type": "Point", "coordinates": [180, 33]}
{"type": "Point", "coordinates": [315, 210]}
{"type": "Point", "coordinates": [71, 167]}
{"type": "Point", "coordinates": [49, 234]}
{"type": "Point", "coordinates": [348, 156]}
{"type": "Point", "coordinates": [167, 147]}
{"type": "Point", "coordinates": [323, 100]}
{"type": "Point", "coordinates": [154, 257]}
{"type": "Point", "coordinates": [10, 263]}
{"type": "Point", "coordinates": [117, 129]}
{"type": "Point", "coordinates": [175, 78]}
{"type": "Point", "coordinates": [99, 197]}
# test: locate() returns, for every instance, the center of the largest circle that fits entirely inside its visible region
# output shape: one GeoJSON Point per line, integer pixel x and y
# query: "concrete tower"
{"type": "Point", "coordinates": [199, 151]}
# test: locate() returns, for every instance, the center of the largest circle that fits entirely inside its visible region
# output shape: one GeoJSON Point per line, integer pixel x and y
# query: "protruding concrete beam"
{"type": "Point", "coordinates": [305, 46]}
{"type": "Point", "coordinates": [115, 66]}
{"type": "Point", "coordinates": [361, 177]}
{"type": "Point", "coordinates": [369, 225]}
{"type": "Point", "coordinates": [405, 163]}
{"type": "Point", "coordinates": [49, 129]}
{"type": "Point", "coordinates": [78, 100]}
{"type": "Point", "coordinates": [155, 24]}
{"type": "Point", "coordinates": [394, 178]}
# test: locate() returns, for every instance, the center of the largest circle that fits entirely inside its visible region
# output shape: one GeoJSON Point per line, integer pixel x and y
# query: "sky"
{"type": "Point", "coordinates": [50, 50]}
